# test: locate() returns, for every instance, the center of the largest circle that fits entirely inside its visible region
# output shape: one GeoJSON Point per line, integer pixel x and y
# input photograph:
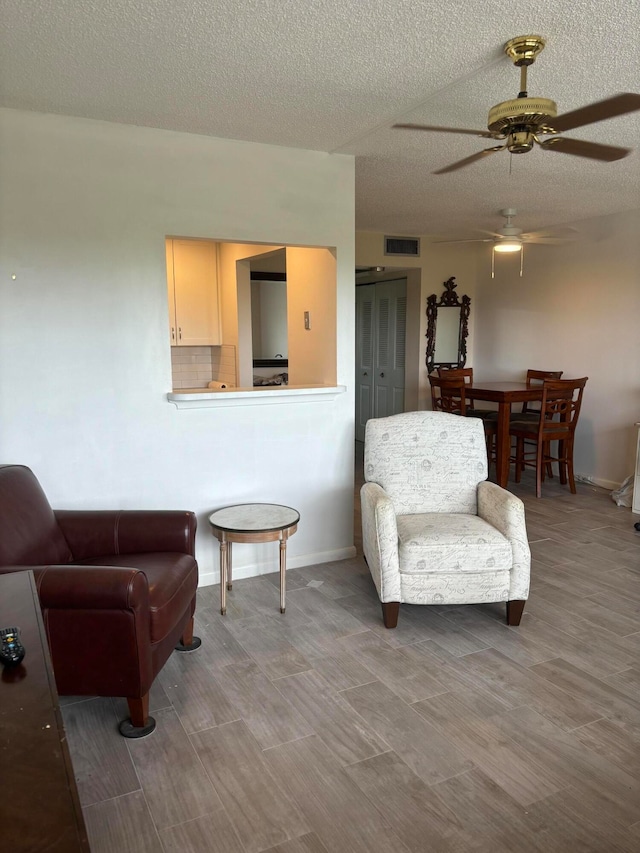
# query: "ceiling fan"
{"type": "Point", "coordinates": [520, 122]}
{"type": "Point", "coordinates": [510, 238]}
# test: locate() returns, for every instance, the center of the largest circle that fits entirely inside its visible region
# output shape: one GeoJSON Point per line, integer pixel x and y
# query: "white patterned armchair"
{"type": "Point", "coordinates": [434, 530]}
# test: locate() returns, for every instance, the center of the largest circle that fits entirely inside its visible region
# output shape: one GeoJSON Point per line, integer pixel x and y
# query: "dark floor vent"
{"type": "Point", "coordinates": [408, 246]}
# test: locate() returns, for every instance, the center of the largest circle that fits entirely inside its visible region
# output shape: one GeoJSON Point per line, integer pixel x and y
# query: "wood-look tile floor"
{"type": "Point", "coordinates": [321, 732]}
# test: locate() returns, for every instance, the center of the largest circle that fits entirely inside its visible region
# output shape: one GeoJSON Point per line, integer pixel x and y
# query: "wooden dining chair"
{"type": "Point", "coordinates": [530, 412]}
{"type": "Point", "coordinates": [448, 395]}
{"type": "Point", "coordinates": [466, 374]}
{"type": "Point", "coordinates": [531, 408]}
{"type": "Point", "coordinates": [557, 421]}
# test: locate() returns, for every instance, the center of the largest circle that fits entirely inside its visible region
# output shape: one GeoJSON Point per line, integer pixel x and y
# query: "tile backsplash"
{"type": "Point", "coordinates": [195, 367]}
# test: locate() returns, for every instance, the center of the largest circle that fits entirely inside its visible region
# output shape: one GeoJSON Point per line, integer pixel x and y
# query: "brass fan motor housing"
{"type": "Point", "coordinates": [523, 50]}
{"type": "Point", "coordinates": [534, 114]}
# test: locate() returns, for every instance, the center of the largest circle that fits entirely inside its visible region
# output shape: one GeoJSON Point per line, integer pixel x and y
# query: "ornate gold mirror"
{"type": "Point", "coordinates": [447, 328]}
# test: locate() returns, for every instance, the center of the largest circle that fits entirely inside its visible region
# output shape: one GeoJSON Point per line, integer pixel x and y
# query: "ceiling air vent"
{"type": "Point", "coordinates": [407, 246]}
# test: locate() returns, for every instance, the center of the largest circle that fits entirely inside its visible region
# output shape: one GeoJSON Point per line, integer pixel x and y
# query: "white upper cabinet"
{"type": "Point", "coordinates": [192, 280]}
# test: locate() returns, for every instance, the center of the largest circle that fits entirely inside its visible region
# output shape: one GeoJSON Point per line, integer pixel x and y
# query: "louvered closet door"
{"type": "Point", "coordinates": [381, 312]}
{"type": "Point", "coordinates": [365, 338]}
{"type": "Point", "coordinates": [391, 322]}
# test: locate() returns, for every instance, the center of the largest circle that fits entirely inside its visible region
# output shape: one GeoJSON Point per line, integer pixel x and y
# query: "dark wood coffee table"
{"type": "Point", "coordinates": [39, 805]}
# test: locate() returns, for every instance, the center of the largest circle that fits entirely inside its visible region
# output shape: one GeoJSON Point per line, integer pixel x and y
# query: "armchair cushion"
{"type": "Point", "coordinates": [172, 580]}
{"type": "Point", "coordinates": [450, 542]}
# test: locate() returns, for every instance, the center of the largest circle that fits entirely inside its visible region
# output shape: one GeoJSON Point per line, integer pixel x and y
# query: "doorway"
{"type": "Point", "coordinates": [381, 323]}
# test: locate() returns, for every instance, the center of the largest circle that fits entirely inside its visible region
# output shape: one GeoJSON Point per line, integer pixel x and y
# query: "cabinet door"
{"type": "Point", "coordinates": [196, 293]}
{"type": "Point", "coordinates": [173, 326]}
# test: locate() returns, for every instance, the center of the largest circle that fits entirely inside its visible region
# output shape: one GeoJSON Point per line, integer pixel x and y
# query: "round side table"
{"type": "Point", "coordinates": [252, 523]}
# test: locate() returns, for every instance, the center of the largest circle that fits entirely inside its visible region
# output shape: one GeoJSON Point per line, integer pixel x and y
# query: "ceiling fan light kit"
{"type": "Point", "coordinates": [510, 239]}
{"type": "Point", "coordinates": [519, 123]}
{"type": "Point", "coordinates": [507, 240]}
{"type": "Point", "coordinates": [509, 245]}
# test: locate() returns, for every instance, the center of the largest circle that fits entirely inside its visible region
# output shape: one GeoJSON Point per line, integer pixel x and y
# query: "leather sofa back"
{"type": "Point", "coordinates": [29, 532]}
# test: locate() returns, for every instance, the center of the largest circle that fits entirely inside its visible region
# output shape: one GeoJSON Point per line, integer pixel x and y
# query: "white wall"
{"type": "Point", "coordinates": [84, 354]}
{"type": "Point", "coordinates": [576, 309]}
{"type": "Point", "coordinates": [311, 287]}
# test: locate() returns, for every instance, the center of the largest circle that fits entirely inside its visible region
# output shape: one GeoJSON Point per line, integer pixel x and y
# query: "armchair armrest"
{"type": "Point", "coordinates": [93, 533]}
{"type": "Point", "coordinates": [380, 540]}
{"type": "Point", "coordinates": [505, 512]}
{"type": "Point", "coordinates": [97, 620]}
{"type": "Point", "coordinates": [91, 588]}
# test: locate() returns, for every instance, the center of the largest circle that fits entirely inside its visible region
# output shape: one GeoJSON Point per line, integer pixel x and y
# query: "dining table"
{"type": "Point", "coordinates": [505, 394]}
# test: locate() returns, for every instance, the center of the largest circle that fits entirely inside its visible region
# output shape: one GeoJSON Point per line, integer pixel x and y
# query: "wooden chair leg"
{"type": "Point", "coordinates": [188, 643]}
{"type": "Point", "coordinates": [139, 710]}
{"type": "Point", "coordinates": [390, 611]}
{"type": "Point", "coordinates": [562, 461]}
{"type": "Point", "coordinates": [548, 467]}
{"type": "Point", "coordinates": [569, 465]}
{"type": "Point", "coordinates": [514, 611]}
{"type": "Point", "coordinates": [140, 724]}
{"type": "Point", "coordinates": [519, 458]}
{"type": "Point", "coordinates": [539, 467]}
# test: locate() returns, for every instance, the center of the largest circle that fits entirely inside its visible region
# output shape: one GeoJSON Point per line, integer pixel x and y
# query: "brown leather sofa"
{"type": "Point", "coordinates": [117, 590]}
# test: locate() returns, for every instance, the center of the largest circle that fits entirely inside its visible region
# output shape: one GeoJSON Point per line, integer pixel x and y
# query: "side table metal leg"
{"type": "Point", "coordinates": [229, 564]}
{"type": "Point", "coordinates": [283, 572]}
{"type": "Point", "coordinates": [223, 576]}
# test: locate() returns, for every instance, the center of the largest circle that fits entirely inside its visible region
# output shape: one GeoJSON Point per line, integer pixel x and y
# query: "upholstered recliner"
{"type": "Point", "coordinates": [117, 590]}
{"type": "Point", "coordinates": [435, 531]}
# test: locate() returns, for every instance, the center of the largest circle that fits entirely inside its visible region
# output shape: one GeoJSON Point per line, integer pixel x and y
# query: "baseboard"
{"type": "Point", "coordinates": [597, 481]}
{"type": "Point", "coordinates": [252, 571]}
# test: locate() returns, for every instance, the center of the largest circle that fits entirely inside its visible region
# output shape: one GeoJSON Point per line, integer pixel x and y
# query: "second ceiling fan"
{"type": "Point", "coordinates": [509, 238]}
{"type": "Point", "coordinates": [520, 123]}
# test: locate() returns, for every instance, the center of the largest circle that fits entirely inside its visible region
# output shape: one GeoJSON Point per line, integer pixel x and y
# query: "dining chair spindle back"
{"type": "Point", "coordinates": [531, 409]}
{"type": "Point", "coordinates": [447, 395]}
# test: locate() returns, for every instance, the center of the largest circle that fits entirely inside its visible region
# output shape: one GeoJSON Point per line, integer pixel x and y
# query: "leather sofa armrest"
{"type": "Point", "coordinates": [93, 533]}
{"type": "Point", "coordinates": [91, 588]}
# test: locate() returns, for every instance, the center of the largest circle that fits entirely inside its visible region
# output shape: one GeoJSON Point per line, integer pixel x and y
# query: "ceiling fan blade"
{"type": "Point", "coordinates": [490, 233]}
{"type": "Point", "coordinates": [485, 134]}
{"type": "Point", "coordinates": [468, 160]}
{"type": "Point", "coordinates": [562, 232]}
{"type": "Point", "coordinates": [479, 240]}
{"type": "Point", "coordinates": [549, 241]}
{"type": "Point", "coordinates": [581, 148]}
{"type": "Point", "coordinates": [618, 105]}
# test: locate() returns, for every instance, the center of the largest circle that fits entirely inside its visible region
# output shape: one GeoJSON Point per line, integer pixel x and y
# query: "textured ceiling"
{"type": "Point", "coordinates": [334, 75]}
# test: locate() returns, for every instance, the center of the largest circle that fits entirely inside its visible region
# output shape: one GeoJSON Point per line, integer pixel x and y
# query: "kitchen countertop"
{"type": "Point", "coordinates": [184, 398]}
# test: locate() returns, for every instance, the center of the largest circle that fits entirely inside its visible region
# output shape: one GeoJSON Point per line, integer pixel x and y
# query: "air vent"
{"type": "Point", "coordinates": [408, 246]}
